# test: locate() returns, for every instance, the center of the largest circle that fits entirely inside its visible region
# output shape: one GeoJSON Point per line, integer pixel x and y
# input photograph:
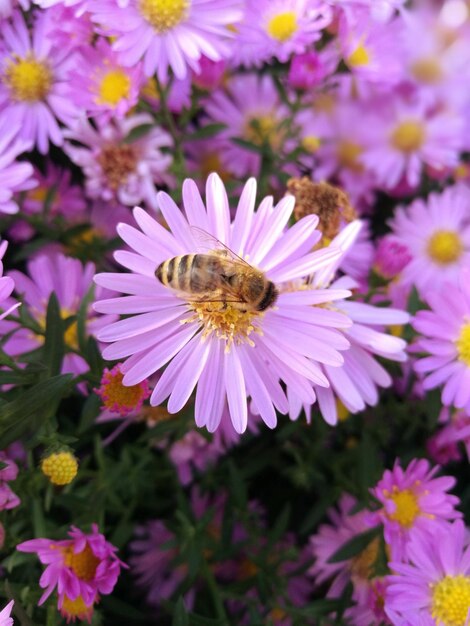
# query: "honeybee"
{"type": "Point", "coordinates": [218, 276]}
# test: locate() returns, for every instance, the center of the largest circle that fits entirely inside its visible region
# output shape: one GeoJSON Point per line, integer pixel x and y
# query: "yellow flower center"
{"type": "Point", "coordinates": [70, 334]}
{"type": "Point", "coordinates": [445, 247]}
{"type": "Point", "coordinates": [28, 79]}
{"type": "Point", "coordinates": [427, 70]}
{"type": "Point", "coordinates": [153, 415]}
{"type": "Point", "coordinates": [114, 87]}
{"type": "Point", "coordinates": [117, 162]}
{"type": "Point", "coordinates": [408, 136]}
{"type": "Point", "coordinates": [83, 564]}
{"type": "Point", "coordinates": [362, 565]}
{"type": "Point", "coordinates": [451, 600]}
{"type": "Point", "coordinates": [406, 507]}
{"type": "Point", "coordinates": [225, 322]}
{"type": "Point", "coordinates": [277, 614]}
{"type": "Point", "coordinates": [39, 194]}
{"type": "Point", "coordinates": [163, 15]}
{"type": "Point", "coordinates": [359, 57]}
{"type": "Point", "coordinates": [210, 162]}
{"type": "Point", "coordinates": [263, 129]}
{"type": "Point", "coordinates": [115, 394]}
{"type": "Point", "coordinates": [76, 609]}
{"type": "Point", "coordinates": [282, 26]}
{"type": "Point", "coordinates": [342, 411]}
{"type": "Point", "coordinates": [463, 344]}
{"type": "Point", "coordinates": [348, 153]}
{"type": "Point", "coordinates": [311, 143]}
{"type": "Point", "coordinates": [61, 468]}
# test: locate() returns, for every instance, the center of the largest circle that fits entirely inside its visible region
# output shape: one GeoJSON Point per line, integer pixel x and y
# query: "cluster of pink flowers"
{"type": "Point", "coordinates": [415, 569]}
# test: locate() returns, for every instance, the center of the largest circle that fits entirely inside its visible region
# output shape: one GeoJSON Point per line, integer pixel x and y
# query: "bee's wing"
{"type": "Point", "coordinates": [208, 243]}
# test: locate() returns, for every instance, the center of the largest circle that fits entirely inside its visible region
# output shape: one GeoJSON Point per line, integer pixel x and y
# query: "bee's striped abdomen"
{"type": "Point", "coordinates": [175, 272]}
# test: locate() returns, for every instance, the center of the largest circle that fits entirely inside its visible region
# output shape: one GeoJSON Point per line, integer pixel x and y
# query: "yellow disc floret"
{"type": "Point", "coordinates": [60, 467]}
{"type": "Point", "coordinates": [83, 564]}
{"type": "Point", "coordinates": [76, 609]}
{"type": "Point", "coordinates": [463, 344]}
{"type": "Point", "coordinates": [348, 153]}
{"type": "Point", "coordinates": [445, 247]}
{"type": "Point", "coordinates": [427, 70]}
{"type": "Point", "coordinates": [282, 26]}
{"type": "Point", "coordinates": [359, 57]}
{"type": "Point", "coordinates": [114, 86]}
{"type": "Point", "coordinates": [406, 507]}
{"type": "Point", "coordinates": [29, 80]}
{"type": "Point", "coordinates": [451, 600]}
{"type": "Point", "coordinates": [225, 322]}
{"type": "Point", "coordinates": [408, 136]}
{"type": "Point", "coordinates": [311, 143]}
{"type": "Point", "coordinates": [163, 15]}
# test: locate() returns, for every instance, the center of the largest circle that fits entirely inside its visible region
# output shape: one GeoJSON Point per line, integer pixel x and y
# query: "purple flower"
{"type": "Point", "coordinates": [100, 86]}
{"type": "Point", "coordinates": [33, 81]}
{"type": "Point", "coordinates": [7, 284]}
{"type": "Point", "coordinates": [446, 340]}
{"type": "Point", "coordinates": [436, 234]}
{"type": "Point", "coordinates": [70, 281]}
{"type": "Point", "coordinates": [8, 499]}
{"type": "Point", "coordinates": [81, 568]}
{"type": "Point", "coordinates": [167, 35]}
{"type": "Point", "coordinates": [391, 256]}
{"type": "Point", "coordinates": [278, 28]}
{"type": "Point", "coordinates": [5, 619]}
{"type": "Point", "coordinates": [228, 353]}
{"type": "Point", "coordinates": [434, 587]}
{"type": "Point", "coordinates": [413, 500]}
{"type": "Point", "coordinates": [117, 168]}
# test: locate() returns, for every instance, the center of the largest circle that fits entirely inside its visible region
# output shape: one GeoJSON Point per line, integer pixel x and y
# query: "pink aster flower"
{"type": "Point", "coordinates": [227, 352]}
{"type": "Point", "coordinates": [413, 500]}
{"type": "Point", "coordinates": [117, 168]}
{"type": "Point", "coordinates": [391, 256]}
{"type": "Point", "coordinates": [310, 69]}
{"type": "Point", "coordinates": [379, 10]}
{"type": "Point", "coordinates": [7, 284]}
{"type": "Point", "coordinates": [100, 85]}
{"type": "Point", "coordinates": [446, 341]}
{"type": "Point", "coordinates": [33, 81]}
{"type": "Point", "coordinates": [409, 136]}
{"type": "Point", "coordinates": [278, 28]}
{"type": "Point", "coordinates": [116, 397]}
{"type": "Point", "coordinates": [15, 176]}
{"type": "Point", "coordinates": [81, 568]}
{"type": "Point", "coordinates": [5, 619]}
{"type": "Point", "coordinates": [70, 281]}
{"type": "Point", "coordinates": [251, 110]}
{"type": "Point", "coordinates": [369, 600]}
{"type": "Point", "coordinates": [342, 527]}
{"type": "Point", "coordinates": [434, 585]}
{"type": "Point", "coordinates": [168, 36]}
{"type": "Point", "coordinates": [436, 234]}
{"type": "Point", "coordinates": [194, 452]}
{"type": "Point", "coordinates": [443, 446]}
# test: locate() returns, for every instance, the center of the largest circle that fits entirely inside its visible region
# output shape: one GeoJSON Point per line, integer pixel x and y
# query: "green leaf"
{"type": "Point", "coordinates": [237, 486]}
{"type": "Point", "coordinates": [355, 546]}
{"type": "Point", "coordinates": [82, 318]}
{"type": "Point", "coordinates": [180, 615]}
{"type": "Point", "coordinates": [138, 132]}
{"type": "Point", "coordinates": [54, 347]}
{"type": "Point", "coordinates": [247, 145]}
{"type": "Point", "coordinates": [29, 410]}
{"type": "Point", "coordinates": [206, 131]}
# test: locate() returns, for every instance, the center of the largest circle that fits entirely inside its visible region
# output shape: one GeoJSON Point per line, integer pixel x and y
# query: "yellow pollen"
{"type": "Point", "coordinates": [311, 144]}
{"type": "Point", "coordinates": [263, 129]}
{"type": "Point", "coordinates": [225, 322]}
{"type": "Point", "coordinates": [348, 153]}
{"type": "Point", "coordinates": [76, 609]}
{"type": "Point", "coordinates": [463, 344]}
{"type": "Point", "coordinates": [28, 79]}
{"type": "Point", "coordinates": [407, 508]}
{"type": "Point", "coordinates": [83, 564]}
{"type": "Point", "coordinates": [342, 411]}
{"type": "Point", "coordinates": [117, 162]}
{"type": "Point", "coordinates": [427, 70]}
{"type": "Point", "coordinates": [451, 600]}
{"type": "Point", "coordinates": [362, 565]}
{"type": "Point", "coordinates": [282, 26]}
{"type": "Point", "coordinates": [163, 15]}
{"type": "Point", "coordinates": [445, 247]}
{"type": "Point", "coordinates": [114, 87]}
{"type": "Point", "coordinates": [61, 468]}
{"type": "Point", "coordinates": [408, 136]}
{"type": "Point", "coordinates": [117, 394]}
{"type": "Point", "coordinates": [359, 57]}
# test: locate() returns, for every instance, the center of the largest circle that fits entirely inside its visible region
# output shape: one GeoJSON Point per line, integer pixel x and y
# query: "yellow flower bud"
{"type": "Point", "coordinates": [60, 467]}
